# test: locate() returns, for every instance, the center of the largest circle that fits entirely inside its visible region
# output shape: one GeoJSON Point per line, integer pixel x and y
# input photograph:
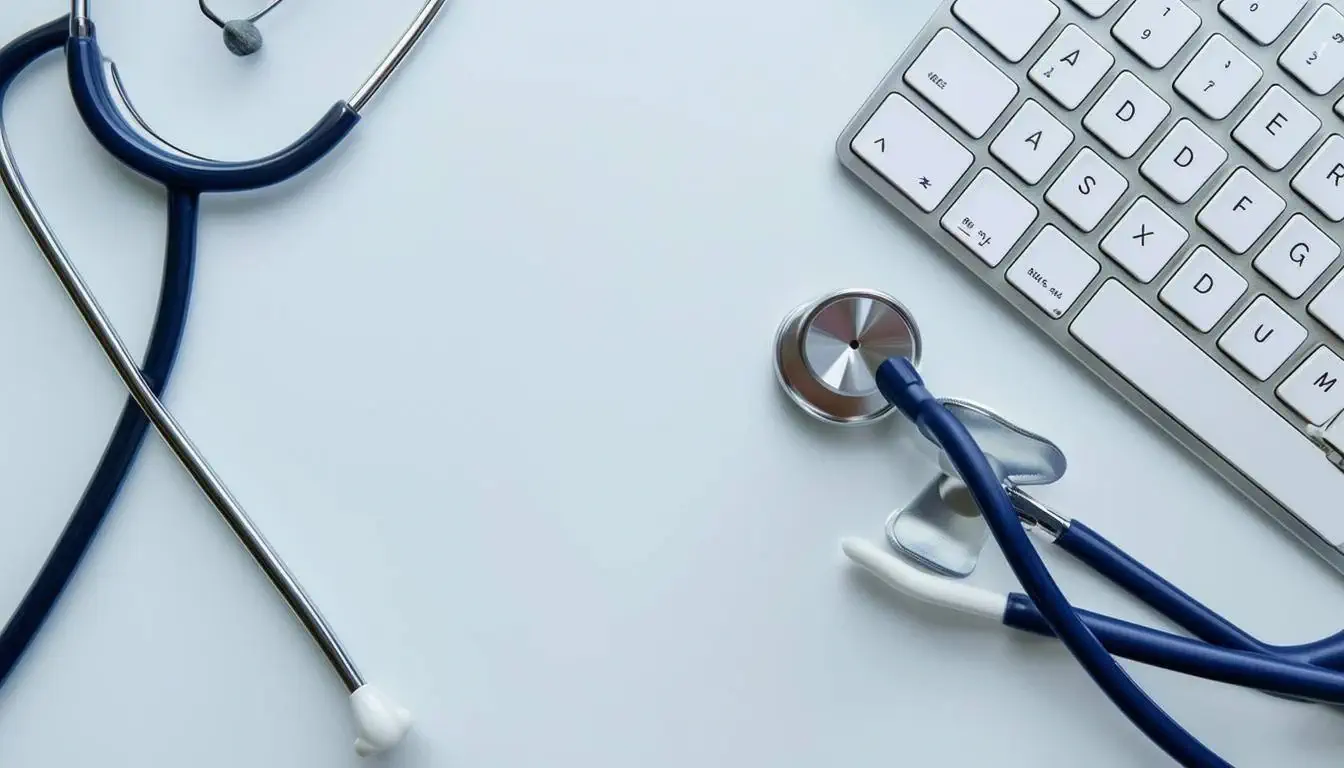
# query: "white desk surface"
{"type": "Point", "coordinates": [495, 380]}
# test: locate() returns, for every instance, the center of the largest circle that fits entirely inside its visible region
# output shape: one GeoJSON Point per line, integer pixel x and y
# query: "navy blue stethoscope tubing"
{"type": "Point", "coordinates": [164, 342]}
{"type": "Point", "coordinates": [184, 179]}
{"type": "Point", "coordinates": [1223, 652]}
{"type": "Point", "coordinates": [1117, 566]}
{"type": "Point", "coordinates": [903, 387]}
{"type": "Point", "coordinates": [161, 352]}
{"type": "Point", "coordinates": [93, 99]}
{"type": "Point", "coordinates": [1248, 669]}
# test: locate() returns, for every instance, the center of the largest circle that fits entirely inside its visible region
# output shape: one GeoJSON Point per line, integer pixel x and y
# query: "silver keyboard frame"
{"type": "Point", "coordinates": [1266, 57]}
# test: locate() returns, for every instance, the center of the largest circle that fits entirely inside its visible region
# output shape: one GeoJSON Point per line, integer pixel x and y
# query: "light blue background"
{"type": "Point", "coordinates": [495, 380]}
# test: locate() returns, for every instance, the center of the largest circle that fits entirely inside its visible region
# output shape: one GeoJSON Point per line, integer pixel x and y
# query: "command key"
{"type": "Point", "coordinates": [1053, 271]}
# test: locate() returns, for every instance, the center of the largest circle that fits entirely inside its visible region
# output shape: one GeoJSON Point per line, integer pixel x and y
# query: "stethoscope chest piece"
{"type": "Point", "coordinates": [942, 528]}
{"type": "Point", "coordinates": [826, 352]}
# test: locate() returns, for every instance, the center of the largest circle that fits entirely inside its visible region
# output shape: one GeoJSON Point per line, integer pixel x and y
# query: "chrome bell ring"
{"type": "Point", "coordinates": [826, 352]}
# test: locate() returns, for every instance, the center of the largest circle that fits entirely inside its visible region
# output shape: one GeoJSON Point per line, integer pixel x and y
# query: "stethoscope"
{"type": "Point", "coordinates": [107, 113]}
{"type": "Point", "coordinates": [850, 357]}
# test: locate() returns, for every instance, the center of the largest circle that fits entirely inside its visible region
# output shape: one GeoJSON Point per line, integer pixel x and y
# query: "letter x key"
{"type": "Point", "coordinates": [1128, 241]}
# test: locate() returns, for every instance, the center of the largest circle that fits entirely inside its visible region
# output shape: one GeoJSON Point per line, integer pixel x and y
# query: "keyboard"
{"type": "Point", "coordinates": [1158, 186]}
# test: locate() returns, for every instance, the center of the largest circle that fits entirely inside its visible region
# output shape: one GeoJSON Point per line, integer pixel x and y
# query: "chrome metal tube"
{"type": "Point", "coordinates": [172, 433]}
{"type": "Point", "coordinates": [79, 17]}
{"type": "Point", "coordinates": [398, 53]}
{"type": "Point", "coordinates": [1035, 515]}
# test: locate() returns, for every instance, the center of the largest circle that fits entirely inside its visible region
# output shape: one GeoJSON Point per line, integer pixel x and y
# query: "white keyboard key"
{"type": "Point", "coordinates": [1126, 115]}
{"type": "Point", "coordinates": [1316, 55]}
{"type": "Point", "coordinates": [1328, 306]}
{"type": "Point", "coordinates": [1052, 271]}
{"type": "Point", "coordinates": [1031, 142]}
{"type": "Point", "coordinates": [911, 152]}
{"type": "Point", "coordinates": [1094, 8]}
{"type": "Point", "coordinates": [961, 83]}
{"type": "Point", "coordinates": [1155, 30]}
{"type": "Point", "coordinates": [1086, 190]}
{"type": "Point", "coordinates": [1198, 393]}
{"type": "Point", "coordinates": [1071, 67]}
{"type": "Point", "coordinates": [1263, 20]}
{"type": "Point", "coordinates": [1297, 256]}
{"type": "Point", "coordinates": [1144, 240]}
{"type": "Point", "coordinates": [1262, 338]}
{"type": "Point", "coordinates": [1241, 211]}
{"type": "Point", "coordinates": [989, 217]}
{"type": "Point", "coordinates": [1318, 181]}
{"type": "Point", "coordinates": [1011, 28]}
{"type": "Point", "coordinates": [1314, 389]}
{"type": "Point", "coordinates": [1203, 289]}
{"type": "Point", "coordinates": [1218, 78]}
{"type": "Point", "coordinates": [1183, 162]}
{"type": "Point", "coordinates": [1276, 128]}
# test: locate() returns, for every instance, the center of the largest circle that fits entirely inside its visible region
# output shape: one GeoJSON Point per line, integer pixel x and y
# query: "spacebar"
{"type": "Point", "coordinates": [1178, 376]}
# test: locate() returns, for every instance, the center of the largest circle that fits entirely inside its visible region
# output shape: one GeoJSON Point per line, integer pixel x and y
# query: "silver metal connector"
{"type": "Point", "coordinates": [79, 18]}
{"type": "Point", "coordinates": [1035, 515]}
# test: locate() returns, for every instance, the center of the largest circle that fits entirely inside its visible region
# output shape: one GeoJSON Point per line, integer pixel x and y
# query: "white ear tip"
{"type": "Point", "coordinates": [858, 550]}
{"type": "Point", "coordinates": [381, 722]}
{"type": "Point", "coordinates": [937, 590]}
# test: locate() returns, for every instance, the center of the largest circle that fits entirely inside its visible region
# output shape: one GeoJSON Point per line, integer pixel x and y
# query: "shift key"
{"type": "Point", "coordinates": [1053, 271]}
{"type": "Point", "coordinates": [961, 83]}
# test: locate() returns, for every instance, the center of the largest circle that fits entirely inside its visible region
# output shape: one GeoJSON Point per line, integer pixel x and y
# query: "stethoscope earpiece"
{"type": "Point", "coordinates": [241, 36]}
{"type": "Point", "coordinates": [827, 351]}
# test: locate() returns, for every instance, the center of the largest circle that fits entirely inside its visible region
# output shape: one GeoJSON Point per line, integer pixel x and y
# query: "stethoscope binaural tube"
{"type": "Point", "coordinates": [903, 387]}
{"type": "Point", "coordinates": [94, 99]}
